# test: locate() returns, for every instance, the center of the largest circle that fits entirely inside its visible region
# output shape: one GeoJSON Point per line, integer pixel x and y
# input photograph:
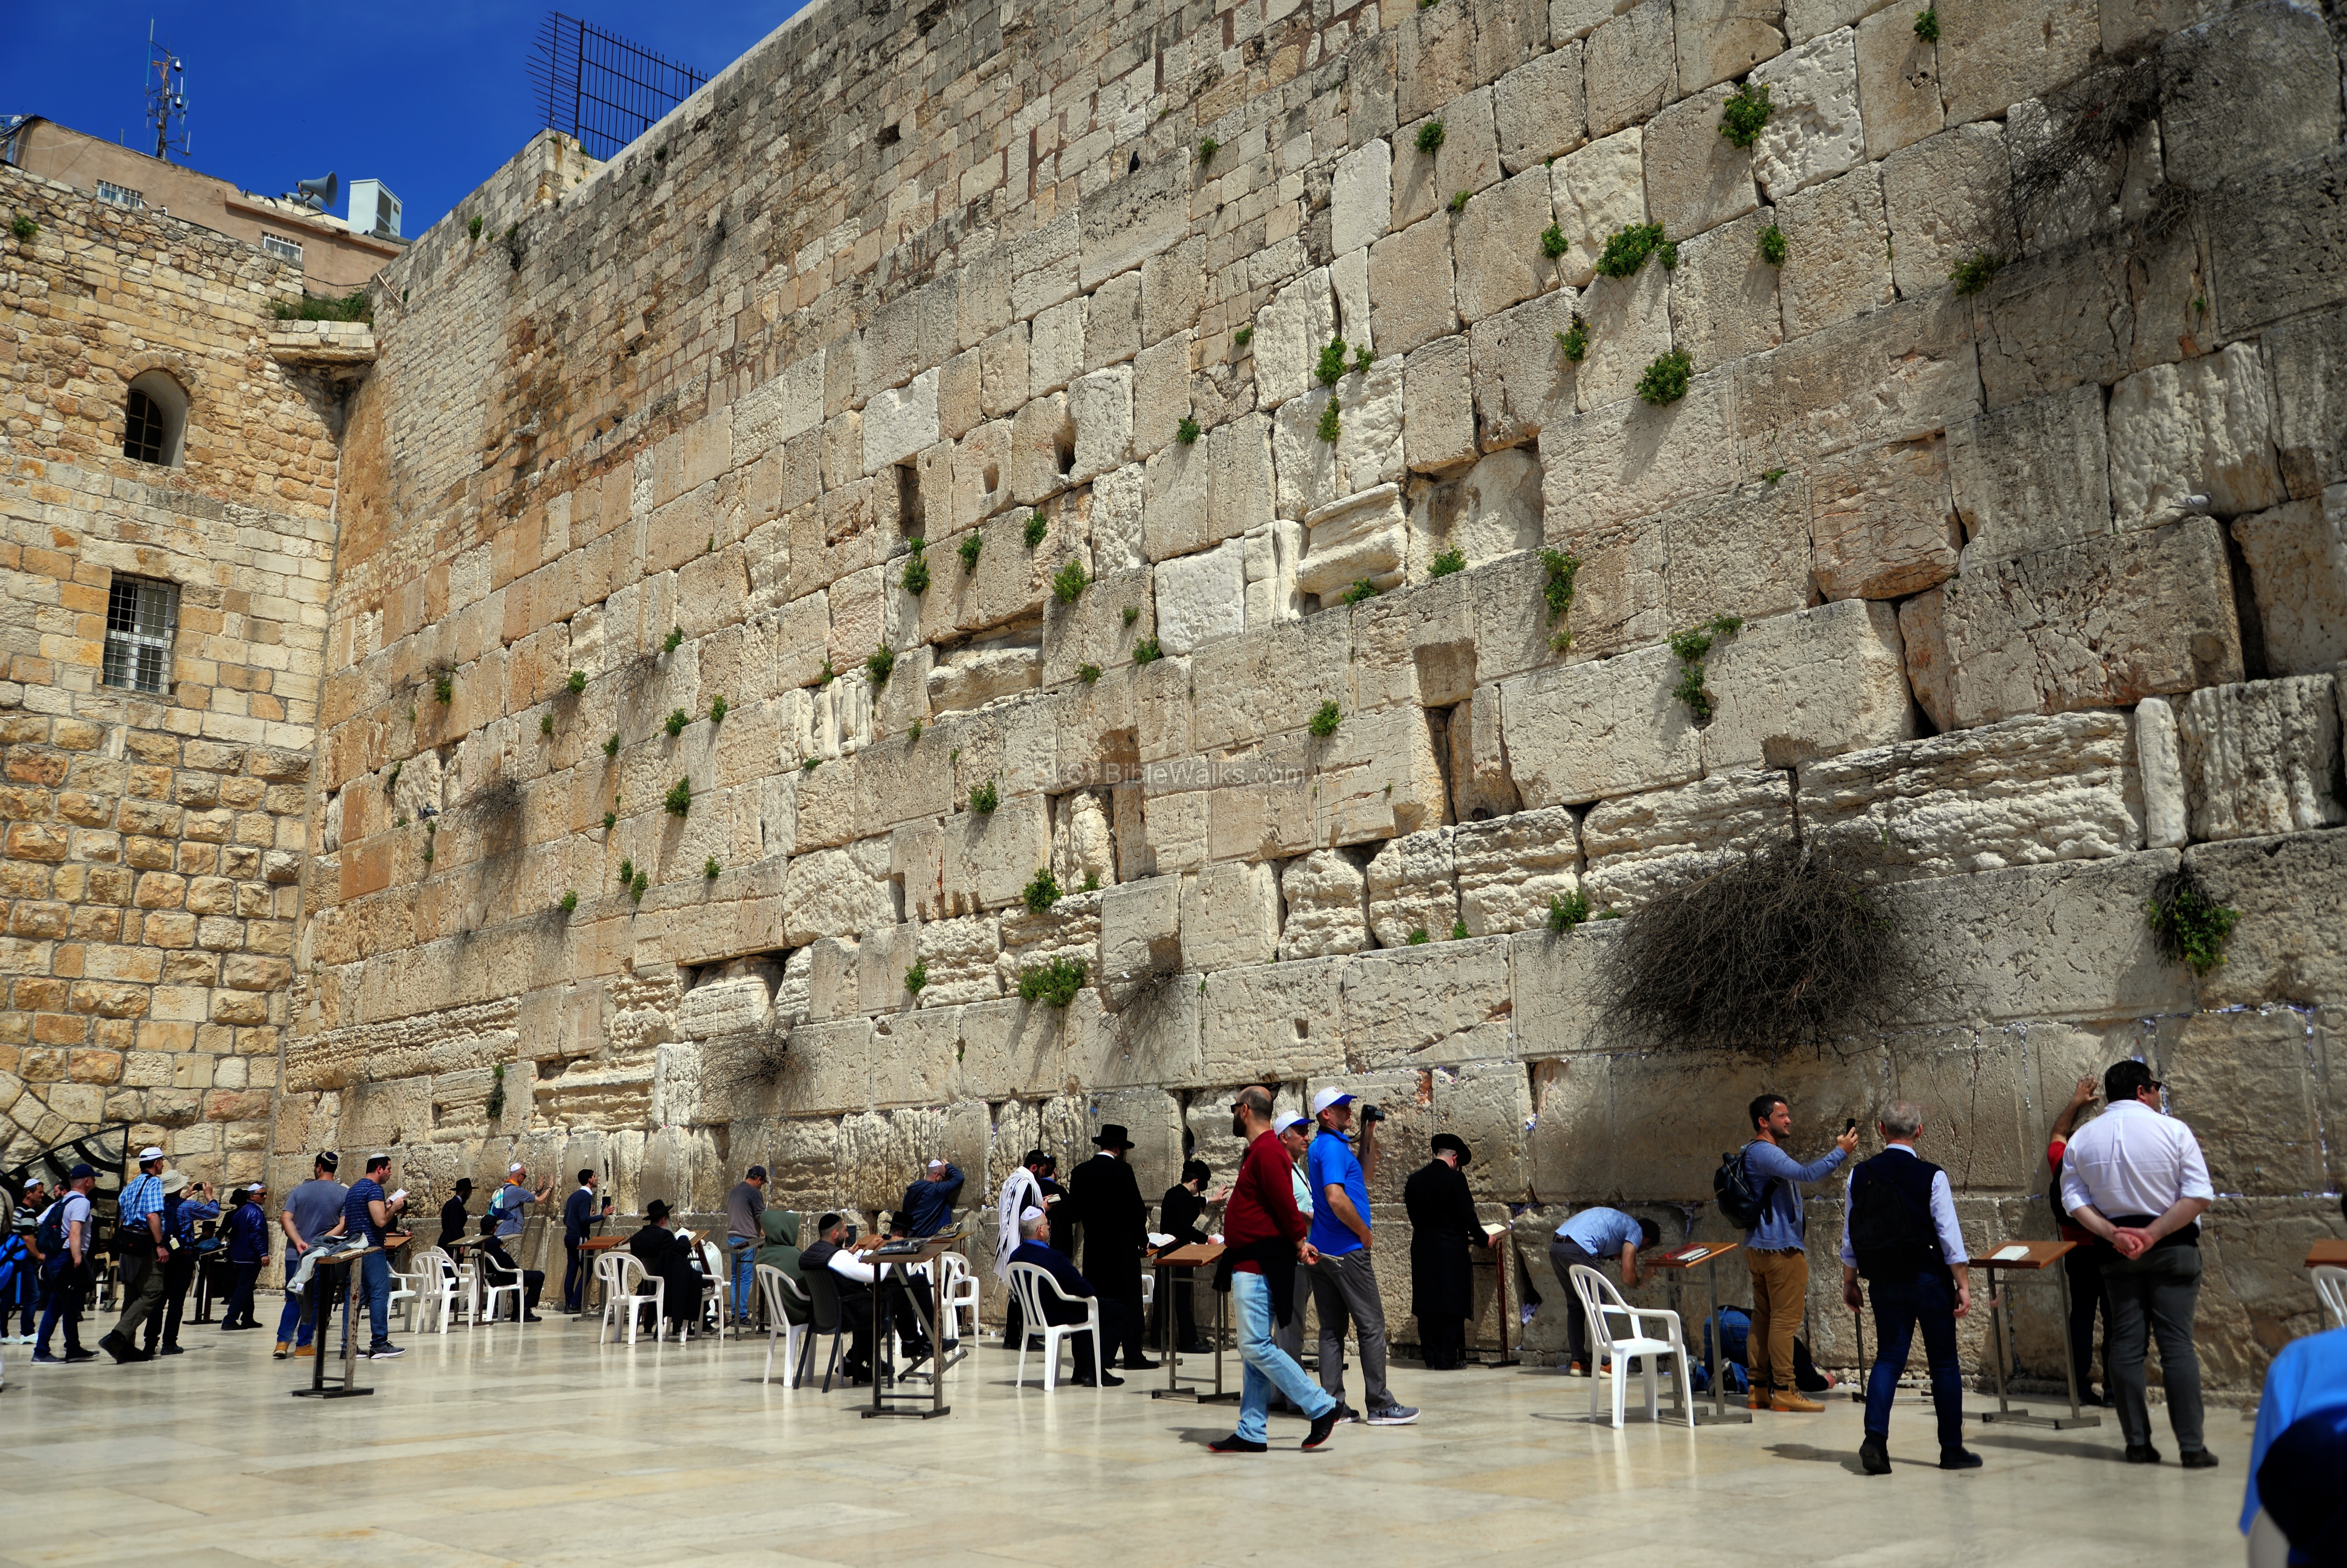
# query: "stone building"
{"type": "Point", "coordinates": [673, 808]}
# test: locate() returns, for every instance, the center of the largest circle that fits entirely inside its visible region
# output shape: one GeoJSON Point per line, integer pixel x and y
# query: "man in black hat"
{"type": "Point", "coordinates": [1444, 1231]}
{"type": "Point", "coordinates": [452, 1217]}
{"type": "Point", "coordinates": [1107, 1200]}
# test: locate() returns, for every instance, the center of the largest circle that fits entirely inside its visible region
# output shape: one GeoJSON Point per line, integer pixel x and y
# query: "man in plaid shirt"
{"type": "Point", "coordinates": [145, 1251]}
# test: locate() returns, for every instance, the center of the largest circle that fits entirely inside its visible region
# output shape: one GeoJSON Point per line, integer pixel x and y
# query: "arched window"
{"type": "Point", "coordinates": [155, 420]}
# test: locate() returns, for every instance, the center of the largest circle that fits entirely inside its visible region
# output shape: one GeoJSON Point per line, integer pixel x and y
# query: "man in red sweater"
{"type": "Point", "coordinates": [1263, 1237]}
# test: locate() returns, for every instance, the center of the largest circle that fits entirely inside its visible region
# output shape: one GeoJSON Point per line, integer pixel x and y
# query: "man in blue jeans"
{"type": "Point", "coordinates": [1264, 1239]}
{"type": "Point", "coordinates": [367, 1221]}
{"type": "Point", "coordinates": [746, 1209]}
{"type": "Point", "coordinates": [310, 1210]}
{"type": "Point", "coordinates": [1899, 1232]}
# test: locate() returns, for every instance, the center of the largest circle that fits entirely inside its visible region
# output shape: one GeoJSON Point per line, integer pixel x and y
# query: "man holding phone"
{"type": "Point", "coordinates": [1775, 1249]}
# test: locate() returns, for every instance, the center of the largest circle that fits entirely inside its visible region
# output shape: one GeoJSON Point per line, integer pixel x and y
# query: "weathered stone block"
{"type": "Point", "coordinates": [1492, 510]}
{"type": "Point", "coordinates": [2160, 758]}
{"type": "Point", "coordinates": [1882, 521]}
{"type": "Point", "coordinates": [1898, 83]}
{"type": "Point", "coordinates": [2204, 427]}
{"type": "Point", "coordinates": [2241, 1081]}
{"type": "Point", "coordinates": [1289, 334]}
{"type": "Point", "coordinates": [1509, 868]}
{"type": "Point", "coordinates": [1995, 53]}
{"type": "Point", "coordinates": [1629, 459]}
{"type": "Point", "coordinates": [1838, 250]}
{"type": "Point", "coordinates": [2293, 895]}
{"type": "Point", "coordinates": [1439, 403]}
{"type": "Point", "coordinates": [1632, 66]}
{"type": "Point", "coordinates": [2092, 311]}
{"type": "Point", "coordinates": [1410, 297]}
{"type": "Point", "coordinates": [1498, 238]}
{"type": "Point", "coordinates": [1214, 489]}
{"type": "Point", "coordinates": [1593, 192]}
{"type": "Point", "coordinates": [1724, 297]}
{"type": "Point", "coordinates": [1435, 60]}
{"type": "Point", "coordinates": [2031, 474]}
{"type": "Point", "coordinates": [1629, 327]}
{"type": "Point", "coordinates": [1948, 197]}
{"type": "Point", "coordinates": [901, 423]}
{"type": "Point", "coordinates": [2262, 757]}
{"type": "Point", "coordinates": [1642, 844]}
{"type": "Point", "coordinates": [1581, 732]}
{"type": "Point", "coordinates": [1272, 1022]}
{"type": "Point", "coordinates": [2022, 791]}
{"type": "Point", "coordinates": [2159, 602]}
{"type": "Point", "coordinates": [1161, 397]}
{"type": "Point", "coordinates": [1440, 1003]}
{"type": "Point", "coordinates": [1143, 214]}
{"type": "Point", "coordinates": [1043, 449]}
{"type": "Point", "coordinates": [1720, 40]}
{"type": "Point", "coordinates": [828, 893]}
{"type": "Point", "coordinates": [1468, 158]}
{"type": "Point", "coordinates": [1789, 689]}
{"type": "Point", "coordinates": [2297, 556]}
{"type": "Point", "coordinates": [1202, 597]}
{"type": "Point", "coordinates": [1540, 109]}
{"type": "Point", "coordinates": [1230, 915]}
{"type": "Point", "coordinates": [1742, 552]}
{"type": "Point", "coordinates": [1141, 933]}
{"type": "Point", "coordinates": [1890, 375]}
{"type": "Point", "coordinates": [1522, 381]}
{"type": "Point", "coordinates": [1814, 131]}
{"type": "Point", "coordinates": [1368, 451]}
{"type": "Point", "coordinates": [1327, 897]}
{"type": "Point", "coordinates": [1696, 178]}
{"type": "Point", "coordinates": [2278, 240]}
{"type": "Point", "coordinates": [1412, 889]}
{"type": "Point", "coordinates": [2251, 88]}
{"type": "Point", "coordinates": [1112, 322]}
{"type": "Point", "coordinates": [1099, 406]}
{"type": "Point", "coordinates": [1361, 197]}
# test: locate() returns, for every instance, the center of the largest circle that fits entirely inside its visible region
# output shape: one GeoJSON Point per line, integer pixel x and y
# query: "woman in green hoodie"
{"type": "Point", "coordinates": [782, 1251]}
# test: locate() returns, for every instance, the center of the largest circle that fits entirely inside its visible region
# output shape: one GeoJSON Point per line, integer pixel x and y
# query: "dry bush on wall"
{"type": "Point", "coordinates": [1784, 950]}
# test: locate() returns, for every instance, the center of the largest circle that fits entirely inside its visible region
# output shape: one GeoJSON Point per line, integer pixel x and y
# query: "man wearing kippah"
{"type": "Point", "coordinates": [512, 1198]}
{"type": "Point", "coordinates": [1033, 1249]}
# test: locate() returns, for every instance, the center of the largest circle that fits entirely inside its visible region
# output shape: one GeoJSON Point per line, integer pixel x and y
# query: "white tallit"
{"type": "Point", "coordinates": [1020, 1192]}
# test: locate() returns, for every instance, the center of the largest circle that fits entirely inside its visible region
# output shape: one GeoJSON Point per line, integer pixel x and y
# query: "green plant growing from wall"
{"type": "Point", "coordinates": [827, 675]}
{"type": "Point", "coordinates": [569, 901]}
{"type": "Point", "coordinates": [1132, 613]}
{"type": "Point", "coordinates": [1069, 581]}
{"type": "Point", "coordinates": [1054, 984]}
{"type": "Point", "coordinates": [1690, 648]}
{"type": "Point", "coordinates": [1557, 590]}
{"type": "Point", "coordinates": [611, 746]}
{"type": "Point", "coordinates": [1430, 136]}
{"type": "Point", "coordinates": [1628, 248]}
{"type": "Point", "coordinates": [1744, 112]}
{"type": "Point", "coordinates": [1927, 25]}
{"type": "Point", "coordinates": [1552, 243]}
{"type": "Point", "coordinates": [916, 579]}
{"type": "Point", "coordinates": [444, 690]}
{"type": "Point", "coordinates": [679, 799]}
{"type": "Point", "coordinates": [675, 723]}
{"type": "Point", "coordinates": [1325, 722]}
{"type": "Point", "coordinates": [1457, 930]}
{"type": "Point", "coordinates": [627, 872]}
{"type": "Point", "coordinates": [1972, 274]}
{"type": "Point", "coordinates": [1565, 913]}
{"type": "Point", "coordinates": [577, 681]}
{"type": "Point", "coordinates": [1364, 357]}
{"type": "Point", "coordinates": [1459, 200]}
{"type": "Point", "coordinates": [1038, 525]}
{"type": "Point", "coordinates": [673, 641]}
{"type": "Point", "coordinates": [1147, 651]}
{"type": "Point", "coordinates": [1088, 673]}
{"type": "Point", "coordinates": [1664, 382]}
{"type": "Point", "coordinates": [718, 708]}
{"type": "Point", "coordinates": [1042, 892]}
{"type": "Point", "coordinates": [1206, 151]}
{"type": "Point", "coordinates": [611, 818]}
{"type": "Point", "coordinates": [22, 227]}
{"type": "Point", "coordinates": [1772, 245]}
{"type": "Point", "coordinates": [913, 732]}
{"type": "Point", "coordinates": [636, 889]}
{"type": "Point", "coordinates": [879, 665]}
{"type": "Point", "coordinates": [1332, 422]}
{"type": "Point", "coordinates": [985, 798]}
{"type": "Point", "coordinates": [1574, 338]}
{"type": "Point", "coordinates": [473, 229]}
{"type": "Point", "coordinates": [709, 869]}
{"type": "Point", "coordinates": [1092, 881]}
{"type": "Point", "coordinates": [1770, 475]}
{"type": "Point", "coordinates": [497, 1108]}
{"type": "Point", "coordinates": [2189, 924]}
{"type": "Point", "coordinates": [916, 978]}
{"type": "Point", "coordinates": [1331, 368]}
{"type": "Point", "coordinates": [1362, 588]}
{"type": "Point", "coordinates": [546, 724]}
{"type": "Point", "coordinates": [1449, 561]}
{"type": "Point", "coordinates": [1244, 336]}
{"type": "Point", "coordinates": [1418, 938]}
{"type": "Point", "coordinates": [391, 779]}
{"type": "Point", "coordinates": [1186, 432]}
{"type": "Point", "coordinates": [971, 543]}
{"type": "Point", "coordinates": [808, 765]}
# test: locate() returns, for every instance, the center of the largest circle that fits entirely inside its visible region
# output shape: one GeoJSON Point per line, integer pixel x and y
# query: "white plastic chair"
{"type": "Point", "coordinates": [2331, 1285]}
{"type": "Point", "coordinates": [406, 1291]}
{"type": "Point", "coordinates": [1027, 1283]}
{"type": "Point", "coordinates": [623, 1292]}
{"type": "Point", "coordinates": [1602, 1303]}
{"type": "Point", "coordinates": [958, 1296]}
{"type": "Point", "coordinates": [495, 1282]}
{"type": "Point", "coordinates": [775, 1287]}
{"type": "Point", "coordinates": [435, 1292]}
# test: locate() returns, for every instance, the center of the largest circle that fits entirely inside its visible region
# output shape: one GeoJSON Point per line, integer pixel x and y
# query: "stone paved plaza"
{"type": "Point", "coordinates": [536, 1446]}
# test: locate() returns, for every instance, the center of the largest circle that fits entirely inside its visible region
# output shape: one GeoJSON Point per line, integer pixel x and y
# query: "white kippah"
{"type": "Point", "coordinates": [1030, 1213]}
{"type": "Point", "coordinates": [513, 1169]}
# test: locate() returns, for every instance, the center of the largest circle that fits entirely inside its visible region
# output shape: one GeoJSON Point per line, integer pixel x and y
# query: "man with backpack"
{"type": "Point", "coordinates": [146, 1256]}
{"type": "Point", "coordinates": [63, 1241]}
{"type": "Point", "coordinates": [1759, 1188]}
{"type": "Point", "coordinates": [1900, 1233]}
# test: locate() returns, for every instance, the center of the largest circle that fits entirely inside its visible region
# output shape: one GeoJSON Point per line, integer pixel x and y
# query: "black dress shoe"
{"type": "Point", "coordinates": [2142, 1453]}
{"type": "Point", "coordinates": [1105, 1380]}
{"type": "Point", "coordinates": [173, 1350]}
{"type": "Point", "coordinates": [531, 1318]}
{"type": "Point", "coordinates": [1235, 1444]}
{"type": "Point", "coordinates": [1960, 1459]}
{"type": "Point", "coordinates": [1321, 1427]}
{"type": "Point", "coordinates": [2197, 1459]}
{"type": "Point", "coordinates": [1140, 1365]}
{"type": "Point", "coordinates": [1199, 1349]}
{"type": "Point", "coordinates": [1874, 1456]}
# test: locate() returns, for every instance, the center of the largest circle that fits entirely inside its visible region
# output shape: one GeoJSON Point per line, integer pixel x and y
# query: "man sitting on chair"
{"type": "Point", "coordinates": [496, 1266]}
{"type": "Point", "coordinates": [1032, 1249]}
{"type": "Point", "coordinates": [853, 1278]}
{"type": "Point", "coordinates": [668, 1257]}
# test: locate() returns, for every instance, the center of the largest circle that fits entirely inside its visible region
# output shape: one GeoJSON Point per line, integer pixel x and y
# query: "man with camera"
{"type": "Point", "coordinates": [1344, 1280]}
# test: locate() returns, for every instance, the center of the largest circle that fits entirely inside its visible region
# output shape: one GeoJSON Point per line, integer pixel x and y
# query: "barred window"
{"type": "Point", "coordinates": [140, 616]}
{"type": "Point", "coordinates": [121, 194]}
{"type": "Point", "coordinates": [285, 248]}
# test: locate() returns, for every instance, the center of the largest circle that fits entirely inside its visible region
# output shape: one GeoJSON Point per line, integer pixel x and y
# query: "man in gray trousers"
{"type": "Point", "coordinates": [1344, 1281]}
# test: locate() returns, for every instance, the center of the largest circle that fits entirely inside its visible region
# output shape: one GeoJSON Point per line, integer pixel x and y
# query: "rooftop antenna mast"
{"type": "Point", "coordinates": [167, 98]}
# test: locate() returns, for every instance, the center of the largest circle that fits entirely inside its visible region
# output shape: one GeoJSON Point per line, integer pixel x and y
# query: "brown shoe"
{"type": "Point", "coordinates": [305, 1350]}
{"type": "Point", "coordinates": [1786, 1400]}
{"type": "Point", "coordinates": [284, 1348]}
{"type": "Point", "coordinates": [1758, 1401]}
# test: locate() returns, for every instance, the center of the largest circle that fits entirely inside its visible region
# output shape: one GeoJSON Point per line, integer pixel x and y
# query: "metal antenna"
{"type": "Point", "coordinates": [167, 97]}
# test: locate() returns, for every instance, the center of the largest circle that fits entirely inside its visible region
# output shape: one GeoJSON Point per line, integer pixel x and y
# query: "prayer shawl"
{"type": "Point", "coordinates": [1020, 1192]}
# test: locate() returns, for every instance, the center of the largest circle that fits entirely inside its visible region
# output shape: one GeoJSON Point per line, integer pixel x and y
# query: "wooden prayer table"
{"type": "Point", "coordinates": [2327, 1254]}
{"type": "Point", "coordinates": [346, 1386]}
{"type": "Point", "coordinates": [1708, 1254]}
{"type": "Point", "coordinates": [588, 1288]}
{"type": "Point", "coordinates": [2030, 1258]}
{"type": "Point", "coordinates": [1198, 1256]}
{"type": "Point", "coordinates": [884, 1364]}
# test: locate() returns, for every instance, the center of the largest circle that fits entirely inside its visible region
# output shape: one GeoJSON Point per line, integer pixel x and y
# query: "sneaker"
{"type": "Point", "coordinates": [173, 1350]}
{"type": "Point", "coordinates": [1874, 1456]}
{"type": "Point", "coordinates": [1393, 1415]}
{"type": "Point", "coordinates": [2197, 1459]}
{"type": "Point", "coordinates": [80, 1355]}
{"type": "Point", "coordinates": [1321, 1427]}
{"type": "Point", "coordinates": [284, 1348]}
{"type": "Point", "coordinates": [1960, 1459]}
{"type": "Point", "coordinates": [1344, 1413]}
{"type": "Point", "coordinates": [1235, 1444]}
{"type": "Point", "coordinates": [385, 1352]}
{"type": "Point", "coordinates": [43, 1358]}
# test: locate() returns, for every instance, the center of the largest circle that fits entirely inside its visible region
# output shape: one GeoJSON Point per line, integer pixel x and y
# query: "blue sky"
{"type": "Point", "coordinates": [428, 95]}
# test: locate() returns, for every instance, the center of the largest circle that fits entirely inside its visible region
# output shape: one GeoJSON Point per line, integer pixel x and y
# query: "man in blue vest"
{"type": "Point", "coordinates": [1900, 1235]}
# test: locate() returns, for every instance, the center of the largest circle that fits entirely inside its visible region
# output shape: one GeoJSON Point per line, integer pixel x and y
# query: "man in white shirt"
{"type": "Point", "coordinates": [2135, 1177]}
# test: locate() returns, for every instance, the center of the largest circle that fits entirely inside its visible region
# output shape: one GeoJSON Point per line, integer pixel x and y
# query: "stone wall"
{"type": "Point", "coordinates": [154, 841]}
{"type": "Point", "coordinates": [930, 393]}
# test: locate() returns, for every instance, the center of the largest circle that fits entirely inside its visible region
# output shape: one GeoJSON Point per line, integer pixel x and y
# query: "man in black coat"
{"type": "Point", "coordinates": [1444, 1232]}
{"type": "Point", "coordinates": [1178, 1213]}
{"type": "Point", "coordinates": [1107, 1200]}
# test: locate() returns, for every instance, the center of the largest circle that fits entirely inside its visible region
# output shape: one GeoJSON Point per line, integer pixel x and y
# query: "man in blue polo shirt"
{"type": "Point", "coordinates": [1588, 1240]}
{"type": "Point", "coordinates": [367, 1219]}
{"type": "Point", "coordinates": [1344, 1281]}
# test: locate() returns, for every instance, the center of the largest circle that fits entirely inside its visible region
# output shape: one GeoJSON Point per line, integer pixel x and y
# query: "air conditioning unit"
{"type": "Point", "coordinates": [374, 210]}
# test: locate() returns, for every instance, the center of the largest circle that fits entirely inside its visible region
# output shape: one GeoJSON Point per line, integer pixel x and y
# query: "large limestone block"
{"type": "Point", "coordinates": [1217, 488]}
{"type": "Point", "coordinates": [1522, 381]}
{"type": "Point", "coordinates": [1814, 131]}
{"type": "Point", "coordinates": [2022, 792]}
{"type": "Point", "coordinates": [973, 676]}
{"type": "Point", "coordinates": [1327, 903]}
{"type": "Point", "coordinates": [1161, 397]}
{"type": "Point", "coordinates": [1363, 537]}
{"type": "Point", "coordinates": [1008, 1050]}
{"type": "Point", "coordinates": [2093, 311]}
{"type": "Point", "coordinates": [1230, 915]}
{"type": "Point", "coordinates": [743, 1004]}
{"type": "Point", "coordinates": [1645, 845]}
{"type": "Point", "coordinates": [1509, 868]}
{"type": "Point", "coordinates": [1720, 40]}
{"type": "Point", "coordinates": [1696, 178]}
{"type": "Point", "coordinates": [1629, 321]}
{"type": "Point", "coordinates": [1361, 197]}
{"type": "Point", "coordinates": [1723, 296]}
{"type": "Point", "coordinates": [1268, 684]}
{"type": "Point", "coordinates": [1368, 451]}
{"type": "Point", "coordinates": [1411, 295]}
{"type": "Point", "coordinates": [1043, 449]}
{"type": "Point", "coordinates": [2293, 895]}
{"type": "Point", "coordinates": [1742, 552]}
{"type": "Point", "coordinates": [1629, 459]}
{"type": "Point", "coordinates": [1273, 551]}
{"type": "Point", "coordinates": [2031, 474]}
{"type": "Point", "coordinates": [2102, 623]}
{"type": "Point", "coordinates": [1882, 521]}
{"type": "Point", "coordinates": [1112, 322]}
{"type": "Point", "coordinates": [1789, 689]}
{"type": "Point", "coordinates": [1173, 287]}
{"type": "Point", "coordinates": [2160, 758]}
{"type": "Point", "coordinates": [1442, 1003]}
{"type": "Point", "coordinates": [1434, 59]}
{"type": "Point", "coordinates": [1468, 158]}
{"type": "Point", "coordinates": [1095, 629]}
{"type": "Point", "coordinates": [1101, 407]}
{"type": "Point", "coordinates": [1273, 1022]}
{"type": "Point", "coordinates": [1492, 510]}
{"type": "Point", "coordinates": [1202, 597]}
{"type": "Point", "coordinates": [1498, 240]}
{"type": "Point", "coordinates": [1289, 334]}
{"type": "Point", "coordinates": [1540, 109]}
{"type": "Point", "coordinates": [899, 423]}
{"type": "Point", "coordinates": [1947, 198]}
{"type": "Point", "coordinates": [1454, 634]}
{"type": "Point", "coordinates": [1142, 215]}
{"type": "Point", "coordinates": [1889, 376]}
{"type": "Point", "coordinates": [959, 958]}
{"type": "Point", "coordinates": [1438, 406]}
{"type": "Point", "coordinates": [788, 405]}
{"type": "Point", "coordinates": [990, 857]}
{"type": "Point", "coordinates": [1412, 890]}
{"type": "Point", "coordinates": [2297, 556]}
{"type": "Point", "coordinates": [1595, 190]}
{"type": "Point", "coordinates": [831, 894]}
{"type": "Point", "coordinates": [1141, 930]}
{"type": "Point", "coordinates": [2241, 1080]}
{"type": "Point", "coordinates": [2278, 238]}
{"type": "Point", "coordinates": [1837, 263]}
{"type": "Point", "coordinates": [2254, 87]}
{"type": "Point", "coordinates": [1632, 66]}
{"type": "Point", "coordinates": [1380, 777]}
{"type": "Point", "coordinates": [1055, 347]}
{"type": "Point", "coordinates": [1003, 372]}
{"type": "Point", "coordinates": [1482, 786]}
{"type": "Point", "coordinates": [1580, 732]}
{"type": "Point", "coordinates": [2308, 359]}
{"type": "Point", "coordinates": [2261, 757]}
{"type": "Point", "coordinates": [2204, 427]}
{"type": "Point", "coordinates": [1898, 83]}
{"type": "Point", "coordinates": [1995, 53]}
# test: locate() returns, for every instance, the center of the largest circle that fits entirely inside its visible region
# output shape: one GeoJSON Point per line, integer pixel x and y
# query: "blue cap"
{"type": "Point", "coordinates": [78, 1172]}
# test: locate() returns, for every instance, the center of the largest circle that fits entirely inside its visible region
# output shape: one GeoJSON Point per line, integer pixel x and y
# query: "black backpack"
{"type": "Point", "coordinates": [50, 1236]}
{"type": "Point", "coordinates": [1732, 1186]}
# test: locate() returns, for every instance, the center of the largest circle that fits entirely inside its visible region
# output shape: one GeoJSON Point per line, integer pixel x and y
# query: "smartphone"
{"type": "Point", "coordinates": [1850, 1125]}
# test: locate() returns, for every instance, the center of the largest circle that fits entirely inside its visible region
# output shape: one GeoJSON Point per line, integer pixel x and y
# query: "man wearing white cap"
{"type": "Point", "coordinates": [144, 1251]}
{"type": "Point", "coordinates": [1344, 1281]}
{"type": "Point", "coordinates": [511, 1198]}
